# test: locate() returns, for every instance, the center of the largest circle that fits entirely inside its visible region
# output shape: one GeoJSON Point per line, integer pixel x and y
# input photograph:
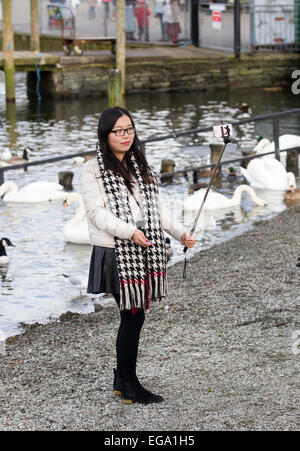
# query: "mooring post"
{"type": "Point", "coordinates": [292, 162]}
{"type": "Point", "coordinates": [276, 136]}
{"type": "Point", "coordinates": [215, 151]}
{"type": "Point", "coordinates": [8, 50]}
{"type": "Point", "coordinates": [167, 166]}
{"type": "Point", "coordinates": [121, 44]}
{"type": "Point", "coordinates": [114, 88]}
{"type": "Point", "coordinates": [35, 26]}
{"type": "Point", "coordinates": [237, 28]}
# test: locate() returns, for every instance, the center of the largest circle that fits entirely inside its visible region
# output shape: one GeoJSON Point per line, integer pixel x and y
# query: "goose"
{"type": "Point", "coordinates": [34, 192]}
{"type": "Point", "coordinates": [7, 159]}
{"type": "Point", "coordinates": [215, 200]}
{"type": "Point", "coordinates": [76, 229]}
{"type": "Point", "coordinates": [4, 242]}
{"type": "Point", "coordinates": [268, 173]}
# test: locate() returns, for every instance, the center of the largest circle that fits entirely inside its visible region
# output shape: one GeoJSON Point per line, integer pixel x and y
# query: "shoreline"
{"type": "Point", "coordinates": [219, 349]}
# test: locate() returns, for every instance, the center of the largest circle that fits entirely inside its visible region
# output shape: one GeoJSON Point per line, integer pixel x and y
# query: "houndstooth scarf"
{"type": "Point", "coordinates": [142, 271]}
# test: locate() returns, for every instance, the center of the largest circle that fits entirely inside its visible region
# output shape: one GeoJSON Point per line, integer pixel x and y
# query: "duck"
{"type": "Point", "coordinates": [231, 174]}
{"type": "Point", "coordinates": [196, 186]}
{"type": "Point", "coordinates": [32, 193]}
{"type": "Point", "coordinates": [215, 200]}
{"type": "Point", "coordinates": [268, 173]}
{"type": "Point", "coordinates": [76, 229]}
{"type": "Point", "coordinates": [7, 159]}
{"type": "Point", "coordinates": [292, 195]}
{"type": "Point", "coordinates": [83, 159]}
{"type": "Point", "coordinates": [168, 248]}
{"type": "Point", "coordinates": [4, 242]}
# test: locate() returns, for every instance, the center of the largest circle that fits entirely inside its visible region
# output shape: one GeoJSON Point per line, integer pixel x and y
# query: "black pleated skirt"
{"type": "Point", "coordinates": [103, 273]}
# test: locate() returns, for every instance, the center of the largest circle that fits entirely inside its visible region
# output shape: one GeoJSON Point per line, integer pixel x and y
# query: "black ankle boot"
{"type": "Point", "coordinates": [118, 383]}
{"type": "Point", "coordinates": [133, 391]}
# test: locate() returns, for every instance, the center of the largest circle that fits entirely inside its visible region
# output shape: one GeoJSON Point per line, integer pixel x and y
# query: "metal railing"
{"type": "Point", "coordinates": [274, 116]}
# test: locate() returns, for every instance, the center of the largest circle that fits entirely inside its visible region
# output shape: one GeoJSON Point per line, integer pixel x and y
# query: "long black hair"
{"type": "Point", "coordinates": [126, 169]}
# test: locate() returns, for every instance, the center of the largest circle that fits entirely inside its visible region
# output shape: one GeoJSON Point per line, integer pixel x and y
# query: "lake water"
{"type": "Point", "coordinates": [32, 287]}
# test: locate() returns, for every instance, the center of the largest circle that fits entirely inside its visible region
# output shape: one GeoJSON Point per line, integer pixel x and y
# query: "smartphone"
{"type": "Point", "coordinates": [221, 131]}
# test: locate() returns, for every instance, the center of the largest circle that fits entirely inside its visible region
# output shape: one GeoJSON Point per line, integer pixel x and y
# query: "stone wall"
{"type": "Point", "coordinates": [83, 80]}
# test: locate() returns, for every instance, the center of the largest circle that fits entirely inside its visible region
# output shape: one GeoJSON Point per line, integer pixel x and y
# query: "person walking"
{"type": "Point", "coordinates": [126, 219]}
{"type": "Point", "coordinates": [142, 14]}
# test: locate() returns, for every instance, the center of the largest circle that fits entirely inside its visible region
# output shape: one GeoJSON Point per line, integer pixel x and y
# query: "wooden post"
{"type": "Point", "coordinates": [292, 162]}
{"type": "Point", "coordinates": [35, 26]}
{"type": "Point", "coordinates": [114, 88]}
{"type": "Point", "coordinates": [8, 50]}
{"type": "Point", "coordinates": [121, 44]}
{"type": "Point", "coordinates": [215, 150]}
{"type": "Point", "coordinates": [167, 166]}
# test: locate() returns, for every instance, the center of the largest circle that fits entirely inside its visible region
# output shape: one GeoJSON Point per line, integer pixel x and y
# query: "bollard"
{"type": "Point", "coordinates": [8, 50]}
{"type": "Point", "coordinates": [114, 88]}
{"type": "Point", "coordinates": [167, 166]}
{"type": "Point", "coordinates": [246, 153]}
{"type": "Point", "coordinates": [215, 151]}
{"type": "Point", "coordinates": [292, 162]}
{"type": "Point", "coordinates": [65, 179]}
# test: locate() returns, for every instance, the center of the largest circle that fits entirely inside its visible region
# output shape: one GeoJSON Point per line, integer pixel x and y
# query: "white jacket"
{"type": "Point", "coordinates": [103, 225]}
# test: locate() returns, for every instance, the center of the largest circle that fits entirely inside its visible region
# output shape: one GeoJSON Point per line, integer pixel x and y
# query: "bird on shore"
{"type": "Point", "coordinates": [79, 282]}
{"type": "Point", "coordinates": [32, 193]}
{"type": "Point", "coordinates": [7, 159]}
{"type": "Point", "coordinates": [215, 200]}
{"type": "Point", "coordinates": [268, 173]}
{"type": "Point", "coordinates": [4, 242]}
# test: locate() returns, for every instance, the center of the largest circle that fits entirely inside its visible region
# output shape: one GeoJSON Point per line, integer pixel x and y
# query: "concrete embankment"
{"type": "Point", "coordinates": [222, 350]}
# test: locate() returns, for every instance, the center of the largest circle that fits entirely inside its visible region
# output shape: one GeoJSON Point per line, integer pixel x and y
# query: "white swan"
{"type": "Point", "coordinates": [76, 229]}
{"type": "Point", "coordinates": [268, 173]}
{"type": "Point", "coordinates": [215, 200]}
{"type": "Point", "coordinates": [4, 242]}
{"type": "Point", "coordinates": [285, 142]}
{"type": "Point", "coordinates": [34, 192]}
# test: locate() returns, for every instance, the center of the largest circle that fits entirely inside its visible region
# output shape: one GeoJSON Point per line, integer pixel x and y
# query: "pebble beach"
{"type": "Point", "coordinates": [221, 349]}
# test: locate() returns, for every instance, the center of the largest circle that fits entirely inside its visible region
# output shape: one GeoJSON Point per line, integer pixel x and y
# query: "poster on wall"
{"type": "Point", "coordinates": [274, 22]}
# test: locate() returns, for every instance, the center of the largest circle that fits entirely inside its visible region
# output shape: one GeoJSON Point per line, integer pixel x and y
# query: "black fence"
{"type": "Point", "coordinates": [275, 117]}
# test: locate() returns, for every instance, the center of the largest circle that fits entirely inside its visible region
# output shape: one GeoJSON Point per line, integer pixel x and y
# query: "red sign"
{"type": "Point", "coordinates": [217, 20]}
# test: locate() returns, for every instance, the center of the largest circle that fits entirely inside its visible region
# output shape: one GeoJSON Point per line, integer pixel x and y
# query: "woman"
{"type": "Point", "coordinates": [125, 219]}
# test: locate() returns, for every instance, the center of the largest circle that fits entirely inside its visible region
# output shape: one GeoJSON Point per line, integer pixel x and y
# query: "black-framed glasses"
{"type": "Point", "coordinates": [121, 131]}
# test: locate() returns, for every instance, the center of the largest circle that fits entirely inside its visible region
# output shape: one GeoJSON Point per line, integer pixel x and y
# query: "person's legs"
{"type": "Point", "coordinates": [127, 343]}
{"type": "Point", "coordinates": [126, 382]}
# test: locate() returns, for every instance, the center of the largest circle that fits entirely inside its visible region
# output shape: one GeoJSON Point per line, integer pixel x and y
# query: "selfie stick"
{"type": "Point", "coordinates": [226, 139]}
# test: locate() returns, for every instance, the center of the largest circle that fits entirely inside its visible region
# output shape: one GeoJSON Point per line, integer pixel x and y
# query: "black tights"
{"type": "Point", "coordinates": [128, 341]}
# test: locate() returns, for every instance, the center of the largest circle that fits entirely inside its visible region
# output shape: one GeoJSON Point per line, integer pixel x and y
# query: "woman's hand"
{"type": "Point", "coordinates": [187, 240]}
{"type": "Point", "coordinates": [139, 238]}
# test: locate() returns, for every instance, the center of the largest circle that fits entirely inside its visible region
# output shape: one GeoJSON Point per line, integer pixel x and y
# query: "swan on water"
{"type": "Point", "coordinates": [76, 229]}
{"type": "Point", "coordinates": [214, 200]}
{"type": "Point", "coordinates": [287, 141]}
{"type": "Point", "coordinates": [4, 242]}
{"type": "Point", "coordinates": [34, 192]}
{"type": "Point", "coordinates": [268, 173]}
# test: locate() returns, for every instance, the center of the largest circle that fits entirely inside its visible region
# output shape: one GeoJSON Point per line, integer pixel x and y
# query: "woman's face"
{"type": "Point", "coordinates": [119, 145]}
